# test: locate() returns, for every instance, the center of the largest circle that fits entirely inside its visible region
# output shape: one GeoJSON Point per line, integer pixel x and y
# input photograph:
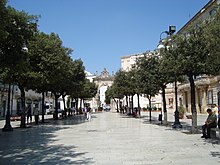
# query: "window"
{"type": "Point", "coordinates": [210, 97]}
{"type": "Point", "coordinates": [212, 12]}
{"type": "Point", "coordinates": [170, 102]}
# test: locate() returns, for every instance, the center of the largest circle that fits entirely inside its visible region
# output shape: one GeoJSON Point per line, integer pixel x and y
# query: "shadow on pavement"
{"type": "Point", "coordinates": [215, 154]}
{"type": "Point", "coordinates": [70, 120]}
{"type": "Point", "coordinates": [35, 145]}
{"type": "Point", "coordinates": [186, 127]}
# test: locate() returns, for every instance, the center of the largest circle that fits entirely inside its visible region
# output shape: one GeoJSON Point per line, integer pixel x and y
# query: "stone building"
{"type": "Point", "coordinates": [103, 81]}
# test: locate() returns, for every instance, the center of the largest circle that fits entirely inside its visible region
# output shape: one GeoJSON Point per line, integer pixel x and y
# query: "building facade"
{"type": "Point", "coordinates": [32, 99]}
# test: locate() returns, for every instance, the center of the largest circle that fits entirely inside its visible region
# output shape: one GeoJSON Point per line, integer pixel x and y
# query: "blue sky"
{"type": "Point", "coordinates": [102, 31]}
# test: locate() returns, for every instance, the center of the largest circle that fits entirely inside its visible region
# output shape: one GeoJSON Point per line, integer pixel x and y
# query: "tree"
{"type": "Point", "coordinates": [133, 86]}
{"type": "Point", "coordinates": [192, 57]}
{"type": "Point", "coordinates": [40, 49]}
{"type": "Point", "coordinates": [212, 38]}
{"type": "Point", "coordinates": [3, 23]}
{"type": "Point", "coordinates": [75, 78]}
{"type": "Point", "coordinates": [113, 92]}
{"type": "Point", "coordinates": [148, 77]}
{"type": "Point", "coordinates": [89, 90]}
{"type": "Point", "coordinates": [122, 87]}
{"type": "Point", "coordinates": [169, 73]}
{"type": "Point", "coordinates": [14, 59]}
{"type": "Point", "coordinates": [53, 69]}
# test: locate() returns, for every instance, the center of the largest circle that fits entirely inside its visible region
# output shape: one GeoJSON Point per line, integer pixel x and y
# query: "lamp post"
{"type": "Point", "coordinates": [169, 33]}
{"type": "Point", "coordinates": [8, 126]}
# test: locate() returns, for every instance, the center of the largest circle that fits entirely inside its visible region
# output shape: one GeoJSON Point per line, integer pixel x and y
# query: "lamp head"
{"type": "Point", "coordinates": [172, 29]}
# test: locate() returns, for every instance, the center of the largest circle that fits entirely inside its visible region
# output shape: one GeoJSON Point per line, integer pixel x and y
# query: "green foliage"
{"type": "Point", "coordinates": [53, 67]}
{"type": "Point", "coordinates": [89, 90]}
{"type": "Point", "coordinates": [195, 53]}
{"type": "Point", "coordinates": [181, 110]}
{"type": "Point", "coordinates": [121, 83]}
{"type": "Point", "coordinates": [18, 29]}
{"type": "Point", "coordinates": [3, 21]}
{"type": "Point", "coordinates": [113, 92]}
{"type": "Point", "coordinates": [68, 102]}
{"type": "Point", "coordinates": [148, 78]}
{"type": "Point", "coordinates": [212, 37]}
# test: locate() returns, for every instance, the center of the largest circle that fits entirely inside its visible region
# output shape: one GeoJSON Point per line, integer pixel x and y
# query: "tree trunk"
{"type": "Point", "coordinates": [23, 109]}
{"type": "Point", "coordinates": [164, 104]}
{"type": "Point", "coordinates": [149, 98]}
{"type": "Point", "coordinates": [127, 100]}
{"type": "Point", "coordinates": [116, 102]}
{"type": "Point", "coordinates": [64, 104]}
{"type": "Point", "coordinates": [132, 103]}
{"type": "Point", "coordinates": [80, 103]}
{"type": "Point", "coordinates": [56, 106]}
{"type": "Point", "coordinates": [139, 107]}
{"type": "Point", "coordinates": [43, 106]}
{"type": "Point", "coordinates": [193, 104]}
{"type": "Point", "coordinates": [120, 106]}
{"type": "Point", "coordinates": [77, 104]}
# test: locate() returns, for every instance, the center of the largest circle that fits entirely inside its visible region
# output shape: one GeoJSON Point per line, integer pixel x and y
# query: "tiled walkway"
{"type": "Point", "coordinates": [108, 139]}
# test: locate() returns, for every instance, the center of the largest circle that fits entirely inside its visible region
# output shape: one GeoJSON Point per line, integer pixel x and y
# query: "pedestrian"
{"type": "Point", "coordinates": [29, 114]}
{"type": "Point", "coordinates": [211, 122]}
{"type": "Point", "coordinates": [215, 109]}
{"type": "Point", "coordinates": [36, 115]}
{"type": "Point", "coordinates": [88, 114]}
{"type": "Point", "coordinates": [85, 111]}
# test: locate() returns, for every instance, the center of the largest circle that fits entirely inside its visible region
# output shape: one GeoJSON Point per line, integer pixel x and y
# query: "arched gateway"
{"type": "Point", "coordinates": [103, 81]}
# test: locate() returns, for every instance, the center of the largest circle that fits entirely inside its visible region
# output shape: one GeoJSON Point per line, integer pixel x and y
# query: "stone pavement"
{"type": "Point", "coordinates": [108, 139]}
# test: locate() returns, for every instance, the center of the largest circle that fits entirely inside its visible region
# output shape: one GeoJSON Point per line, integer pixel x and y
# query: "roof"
{"type": "Point", "coordinates": [198, 14]}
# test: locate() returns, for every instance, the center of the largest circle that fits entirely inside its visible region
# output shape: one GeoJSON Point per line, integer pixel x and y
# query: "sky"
{"type": "Point", "coordinates": [102, 31]}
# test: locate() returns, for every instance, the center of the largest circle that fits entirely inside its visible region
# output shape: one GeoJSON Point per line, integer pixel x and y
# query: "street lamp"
{"type": "Point", "coordinates": [161, 45]}
{"type": "Point", "coordinates": [7, 126]}
{"type": "Point", "coordinates": [169, 33]}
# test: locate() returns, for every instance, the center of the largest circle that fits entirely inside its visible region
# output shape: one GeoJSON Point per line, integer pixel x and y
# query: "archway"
{"type": "Point", "coordinates": [103, 81]}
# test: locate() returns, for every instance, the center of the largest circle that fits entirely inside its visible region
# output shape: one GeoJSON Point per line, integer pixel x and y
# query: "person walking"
{"type": "Point", "coordinates": [88, 113]}
{"type": "Point", "coordinates": [36, 115]}
{"type": "Point", "coordinates": [211, 122]}
{"type": "Point", "coordinates": [29, 114]}
{"type": "Point", "coordinates": [215, 109]}
{"type": "Point", "coordinates": [85, 111]}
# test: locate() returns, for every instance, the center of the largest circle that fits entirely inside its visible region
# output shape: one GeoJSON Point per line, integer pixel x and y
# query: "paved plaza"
{"type": "Point", "coordinates": [108, 139]}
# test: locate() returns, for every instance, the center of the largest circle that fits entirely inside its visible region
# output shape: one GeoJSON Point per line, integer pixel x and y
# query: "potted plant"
{"type": "Point", "coordinates": [145, 109]}
{"type": "Point", "coordinates": [181, 110]}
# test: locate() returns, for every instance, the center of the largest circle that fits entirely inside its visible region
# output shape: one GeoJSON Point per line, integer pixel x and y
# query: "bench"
{"type": "Point", "coordinates": [215, 133]}
{"type": "Point", "coordinates": [189, 116]}
{"type": "Point", "coordinates": [15, 118]}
